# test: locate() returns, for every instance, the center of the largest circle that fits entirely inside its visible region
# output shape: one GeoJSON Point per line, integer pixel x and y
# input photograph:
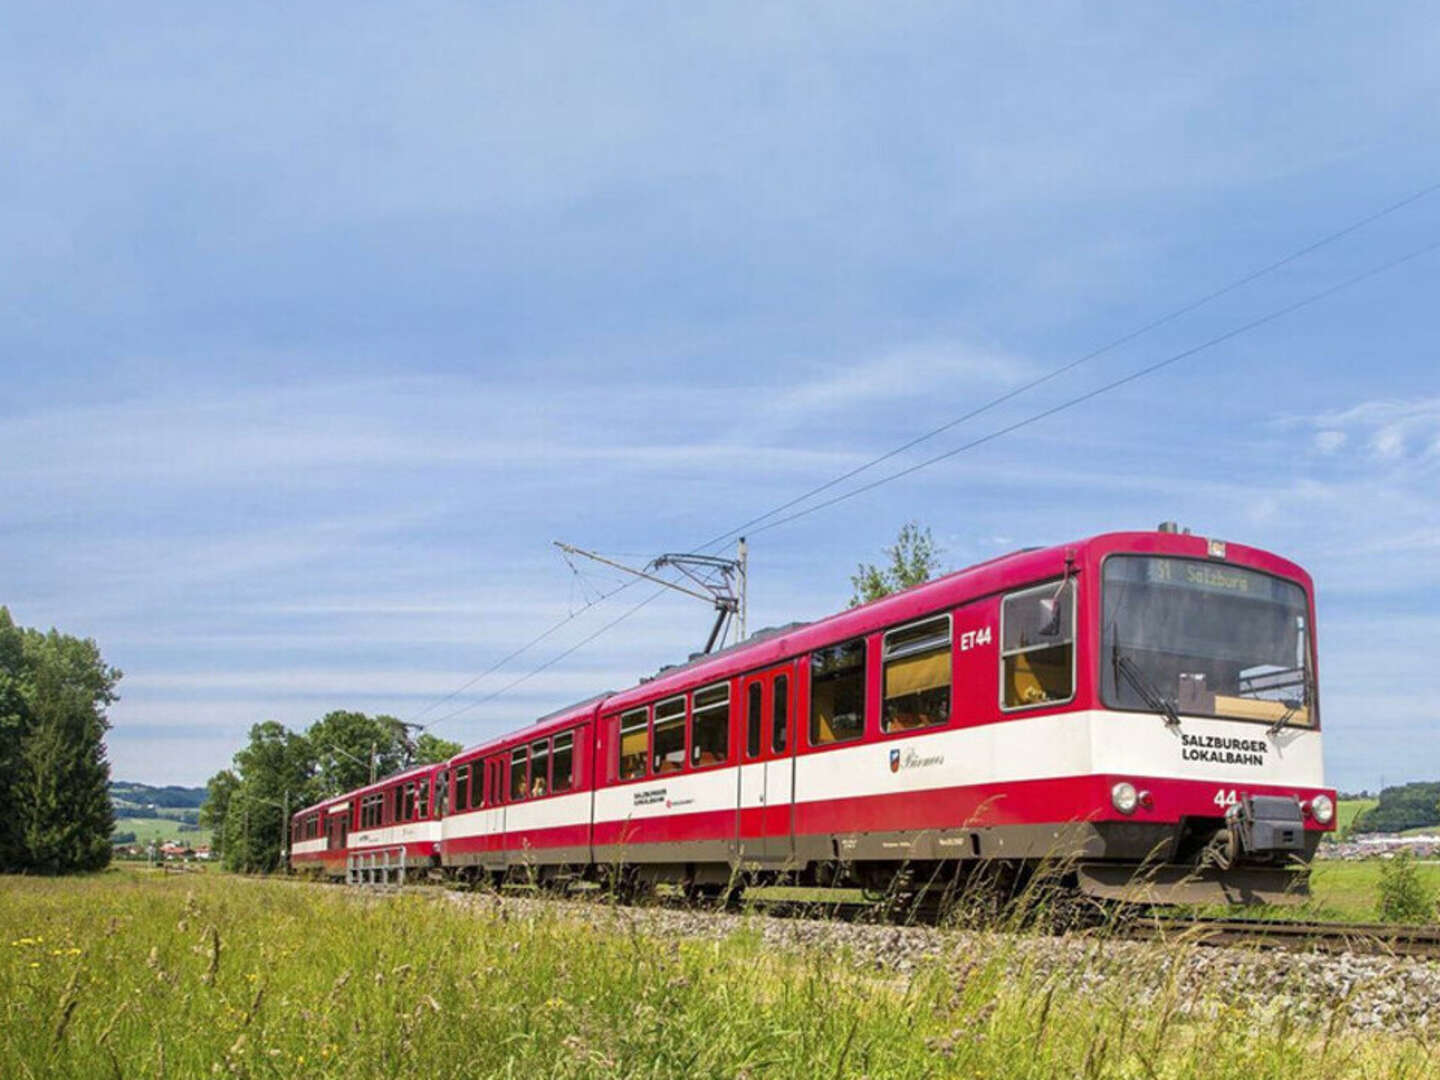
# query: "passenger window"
{"type": "Point", "coordinates": [422, 799]}
{"type": "Point", "coordinates": [710, 726]}
{"type": "Point", "coordinates": [634, 743]}
{"type": "Point", "coordinates": [837, 693]}
{"type": "Point", "coordinates": [781, 709]}
{"type": "Point", "coordinates": [669, 751]}
{"type": "Point", "coordinates": [518, 761]}
{"type": "Point", "coordinates": [462, 788]}
{"type": "Point", "coordinates": [753, 720]}
{"type": "Point", "coordinates": [1037, 646]}
{"type": "Point", "coordinates": [917, 676]}
{"type": "Point", "coordinates": [397, 804]}
{"type": "Point", "coordinates": [564, 766]}
{"type": "Point", "coordinates": [540, 768]}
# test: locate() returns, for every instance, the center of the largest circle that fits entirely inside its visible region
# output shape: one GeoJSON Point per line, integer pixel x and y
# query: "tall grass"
{"type": "Point", "coordinates": [128, 974]}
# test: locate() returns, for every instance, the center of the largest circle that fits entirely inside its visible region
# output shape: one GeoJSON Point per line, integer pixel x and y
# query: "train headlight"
{"type": "Point", "coordinates": [1323, 809]}
{"type": "Point", "coordinates": [1124, 797]}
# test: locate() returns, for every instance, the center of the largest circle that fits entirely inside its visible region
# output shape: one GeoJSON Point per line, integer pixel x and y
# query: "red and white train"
{"type": "Point", "coordinates": [1143, 699]}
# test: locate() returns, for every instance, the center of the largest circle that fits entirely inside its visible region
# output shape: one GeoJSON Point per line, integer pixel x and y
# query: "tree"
{"type": "Point", "coordinates": [277, 772]}
{"type": "Point", "coordinates": [13, 724]}
{"type": "Point", "coordinates": [431, 750]}
{"type": "Point", "coordinates": [218, 791]}
{"type": "Point", "coordinates": [54, 776]}
{"type": "Point", "coordinates": [344, 742]}
{"type": "Point", "coordinates": [1401, 807]}
{"type": "Point", "coordinates": [912, 559]}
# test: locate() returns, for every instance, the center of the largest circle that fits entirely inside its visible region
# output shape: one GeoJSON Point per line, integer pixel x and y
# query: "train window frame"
{"type": "Point", "coordinates": [670, 720]}
{"type": "Point", "coordinates": [569, 740]}
{"type": "Point", "coordinates": [422, 798]}
{"type": "Point", "coordinates": [1069, 581]}
{"type": "Point", "coordinates": [462, 788]}
{"type": "Point", "coordinates": [518, 755]}
{"type": "Point", "coordinates": [754, 719]}
{"type": "Point", "coordinates": [812, 727]}
{"type": "Point", "coordinates": [632, 721]}
{"type": "Point", "coordinates": [696, 718]}
{"type": "Point", "coordinates": [539, 749]}
{"type": "Point", "coordinates": [780, 712]}
{"type": "Point", "coordinates": [919, 648]}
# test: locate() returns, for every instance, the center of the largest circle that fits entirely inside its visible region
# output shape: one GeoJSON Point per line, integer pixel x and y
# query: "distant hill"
{"type": "Point", "coordinates": [127, 794]}
{"type": "Point", "coordinates": [1404, 806]}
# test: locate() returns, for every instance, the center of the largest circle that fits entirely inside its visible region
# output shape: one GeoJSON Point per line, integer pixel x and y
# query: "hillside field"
{"type": "Point", "coordinates": [160, 829]}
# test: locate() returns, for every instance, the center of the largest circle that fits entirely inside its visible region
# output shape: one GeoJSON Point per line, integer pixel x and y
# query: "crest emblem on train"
{"type": "Point", "coordinates": [894, 760]}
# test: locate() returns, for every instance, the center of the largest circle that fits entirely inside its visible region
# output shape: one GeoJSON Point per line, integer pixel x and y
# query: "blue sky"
{"type": "Point", "coordinates": [320, 324]}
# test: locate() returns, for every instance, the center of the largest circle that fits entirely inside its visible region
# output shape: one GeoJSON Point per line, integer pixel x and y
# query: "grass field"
{"type": "Point", "coordinates": [1347, 810]}
{"type": "Point", "coordinates": [147, 829]}
{"type": "Point", "coordinates": [131, 973]}
{"type": "Point", "coordinates": [1349, 890]}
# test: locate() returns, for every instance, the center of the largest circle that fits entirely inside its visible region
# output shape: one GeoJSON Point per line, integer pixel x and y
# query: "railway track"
{"type": "Point", "coordinates": [1366, 939]}
{"type": "Point", "coordinates": [1370, 939]}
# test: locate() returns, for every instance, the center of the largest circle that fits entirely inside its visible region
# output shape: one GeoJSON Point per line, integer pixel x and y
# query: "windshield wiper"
{"type": "Point", "coordinates": [1152, 697]}
{"type": "Point", "coordinates": [1292, 707]}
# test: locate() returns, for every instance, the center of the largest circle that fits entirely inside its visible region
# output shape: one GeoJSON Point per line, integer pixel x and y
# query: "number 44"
{"type": "Point", "coordinates": [1225, 798]}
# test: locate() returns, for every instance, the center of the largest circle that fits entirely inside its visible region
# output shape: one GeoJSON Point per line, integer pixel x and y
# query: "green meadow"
{"type": "Point", "coordinates": [134, 973]}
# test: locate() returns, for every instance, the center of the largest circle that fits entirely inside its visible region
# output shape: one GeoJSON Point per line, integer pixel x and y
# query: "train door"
{"type": "Point", "coordinates": [767, 767]}
{"type": "Point", "coordinates": [780, 769]}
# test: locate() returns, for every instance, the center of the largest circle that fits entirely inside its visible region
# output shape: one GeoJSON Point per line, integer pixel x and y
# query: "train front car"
{"type": "Point", "coordinates": [1204, 719]}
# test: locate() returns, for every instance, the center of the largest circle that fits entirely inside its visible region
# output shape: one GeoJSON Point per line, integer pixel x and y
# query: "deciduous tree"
{"type": "Point", "coordinates": [431, 750]}
{"type": "Point", "coordinates": [54, 776]}
{"type": "Point", "coordinates": [911, 560]}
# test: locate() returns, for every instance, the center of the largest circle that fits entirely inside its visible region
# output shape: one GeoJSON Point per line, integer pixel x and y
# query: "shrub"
{"type": "Point", "coordinates": [1403, 896]}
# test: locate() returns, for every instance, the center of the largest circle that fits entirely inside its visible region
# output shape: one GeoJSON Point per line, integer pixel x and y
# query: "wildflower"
{"type": "Point", "coordinates": [34, 963]}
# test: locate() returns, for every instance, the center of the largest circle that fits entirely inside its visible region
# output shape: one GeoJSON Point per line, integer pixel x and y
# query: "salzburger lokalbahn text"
{"type": "Point", "coordinates": [1139, 701]}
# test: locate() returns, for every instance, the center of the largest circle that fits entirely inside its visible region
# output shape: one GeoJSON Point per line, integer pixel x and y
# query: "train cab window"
{"type": "Point", "coordinates": [917, 676]}
{"type": "Point", "coordinates": [462, 788]}
{"type": "Point", "coordinates": [780, 706]}
{"type": "Point", "coordinates": [634, 743]}
{"type": "Point", "coordinates": [540, 768]}
{"type": "Point", "coordinates": [668, 754]}
{"type": "Point", "coordinates": [710, 726]}
{"type": "Point", "coordinates": [837, 693]}
{"type": "Point", "coordinates": [1037, 646]}
{"type": "Point", "coordinates": [518, 760]}
{"type": "Point", "coordinates": [562, 766]}
{"type": "Point", "coordinates": [753, 720]}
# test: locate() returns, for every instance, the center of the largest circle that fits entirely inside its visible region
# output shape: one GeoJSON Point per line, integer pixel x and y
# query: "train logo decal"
{"type": "Point", "coordinates": [910, 759]}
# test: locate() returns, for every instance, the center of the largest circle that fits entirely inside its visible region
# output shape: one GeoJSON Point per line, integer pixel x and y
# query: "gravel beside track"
{"type": "Point", "coordinates": [1331, 990]}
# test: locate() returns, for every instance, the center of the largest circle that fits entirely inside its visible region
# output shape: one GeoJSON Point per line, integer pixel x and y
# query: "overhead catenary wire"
{"type": "Point", "coordinates": [1054, 373]}
{"type": "Point", "coordinates": [755, 524]}
{"type": "Point", "coordinates": [1114, 384]}
{"type": "Point", "coordinates": [1033, 418]}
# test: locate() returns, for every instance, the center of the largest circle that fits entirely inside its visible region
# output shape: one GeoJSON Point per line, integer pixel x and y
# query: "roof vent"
{"type": "Point", "coordinates": [1167, 527]}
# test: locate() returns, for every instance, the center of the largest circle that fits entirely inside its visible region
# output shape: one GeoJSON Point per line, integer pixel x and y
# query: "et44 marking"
{"type": "Point", "coordinates": [972, 638]}
{"type": "Point", "coordinates": [1224, 798]}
